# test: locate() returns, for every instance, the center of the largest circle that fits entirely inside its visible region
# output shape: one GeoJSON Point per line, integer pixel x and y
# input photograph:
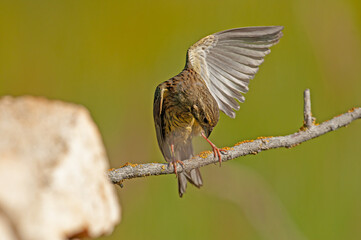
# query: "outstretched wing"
{"type": "Point", "coordinates": [227, 60]}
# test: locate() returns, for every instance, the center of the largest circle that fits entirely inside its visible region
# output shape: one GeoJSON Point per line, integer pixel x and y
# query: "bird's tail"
{"type": "Point", "coordinates": [193, 176]}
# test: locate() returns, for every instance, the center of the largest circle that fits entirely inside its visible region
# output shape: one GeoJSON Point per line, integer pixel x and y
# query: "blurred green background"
{"type": "Point", "coordinates": [110, 55]}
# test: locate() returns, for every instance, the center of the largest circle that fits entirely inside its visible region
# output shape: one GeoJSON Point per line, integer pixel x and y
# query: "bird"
{"type": "Point", "coordinates": [217, 73]}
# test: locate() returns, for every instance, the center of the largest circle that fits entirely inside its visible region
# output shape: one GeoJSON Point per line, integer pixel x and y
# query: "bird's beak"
{"type": "Point", "coordinates": [207, 131]}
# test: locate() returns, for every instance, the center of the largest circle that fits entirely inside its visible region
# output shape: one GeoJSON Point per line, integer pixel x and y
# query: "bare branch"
{"type": "Point", "coordinates": [307, 114]}
{"type": "Point", "coordinates": [308, 131]}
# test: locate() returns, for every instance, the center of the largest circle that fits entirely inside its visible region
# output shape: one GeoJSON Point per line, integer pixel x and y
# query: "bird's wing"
{"type": "Point", "coordinates": [227, 60]}
{"type": "Point", "coordinates": [157, 111]}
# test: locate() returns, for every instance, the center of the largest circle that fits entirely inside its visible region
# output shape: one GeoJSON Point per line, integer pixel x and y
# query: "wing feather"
{"type": "Point", "coordinates": [227, 60]}
{"type": "Point", "coordinates": [215, 61]}
{"type": "Point", "coordinates": [229, 81]}
{"type": "Point", "coordinates": [227, 92]}
{"type": "Point", "coordinates": [233, 63]}
{"type": "Point", "coordinates": [248, 61]}
{"type": "Point", "coordinates": [158, 120]}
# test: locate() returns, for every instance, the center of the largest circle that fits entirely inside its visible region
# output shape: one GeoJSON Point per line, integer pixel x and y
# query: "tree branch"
{"type": "Point", "coordinates": [307, 114]}
{"type": "Point", "coordinates": [308, 131]}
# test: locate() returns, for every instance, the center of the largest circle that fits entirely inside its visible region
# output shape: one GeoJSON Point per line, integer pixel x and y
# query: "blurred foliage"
{"type": "Point", "coordinates": [110, 56]}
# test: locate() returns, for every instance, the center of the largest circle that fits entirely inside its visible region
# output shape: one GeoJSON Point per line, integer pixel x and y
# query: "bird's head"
{"type": "Point", "coordinates": [206, 117]}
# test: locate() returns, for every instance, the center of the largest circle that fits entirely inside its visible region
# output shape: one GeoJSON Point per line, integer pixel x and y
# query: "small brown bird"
{"type": "Point", "coordinates": [218, 69]}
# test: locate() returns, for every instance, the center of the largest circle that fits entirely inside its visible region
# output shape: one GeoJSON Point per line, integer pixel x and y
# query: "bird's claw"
{"type": "Point", "coordinates": [217, 152]}
{"type": "Point", "coordinates": [174, 162]}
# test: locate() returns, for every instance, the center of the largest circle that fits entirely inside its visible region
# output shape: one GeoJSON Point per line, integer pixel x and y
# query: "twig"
{"type": "Point", "coordinates": [309, 131]}
{"type": "Point", "coordinates": [307, 114]}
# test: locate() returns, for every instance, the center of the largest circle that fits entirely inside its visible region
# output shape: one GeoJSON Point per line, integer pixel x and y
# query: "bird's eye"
{"type": "Point", "coordinates": [205, 120]}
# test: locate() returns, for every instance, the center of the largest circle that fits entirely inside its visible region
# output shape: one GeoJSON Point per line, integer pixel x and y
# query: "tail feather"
{"type": "Point", "coordinates": [182, 183]}
{"type": "Point", "coordinates": [183, 152]}
{"type": "Point", "coordinates": [193, 176]}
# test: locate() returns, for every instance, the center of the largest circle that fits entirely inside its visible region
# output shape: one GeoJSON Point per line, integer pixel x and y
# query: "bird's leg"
{"type": "Point", "coordinates": [217, 151]}
{"type": "Point", "coordinates": [174, 161]}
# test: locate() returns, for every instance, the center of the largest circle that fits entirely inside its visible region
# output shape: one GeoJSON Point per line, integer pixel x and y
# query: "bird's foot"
{"type": "Point", "coordinates": [174, 163]}
{"type": "Point", "coordinates": [217, 151]}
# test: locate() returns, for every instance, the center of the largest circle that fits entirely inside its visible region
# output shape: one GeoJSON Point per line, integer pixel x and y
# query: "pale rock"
{"type": "Point", "coordinates": [53, 164]}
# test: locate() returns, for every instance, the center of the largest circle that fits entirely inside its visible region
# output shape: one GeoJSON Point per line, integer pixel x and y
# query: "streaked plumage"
{"type": "Point", "coordinates": [217, 72]}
